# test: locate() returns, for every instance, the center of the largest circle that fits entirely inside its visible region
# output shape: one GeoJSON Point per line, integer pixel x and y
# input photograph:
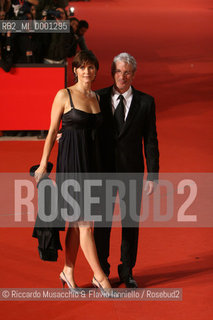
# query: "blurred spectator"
{"type": "Point", "coordinates": [18, 7]}
{"type": "Point", "coordinates": [45, 5]}
{"type": "Point", "coordinates": [6, 40]}
{"type": "Point", "coordinates": [6, 51]}
{"type": "Point", "coordinates": [33, 12]}
{"type": "Point", "coordinates": [74, 23]}
{"type": "Point", "coordinates": [4, 8]}
{"type": "Point", "coordinates": [27, 48]}
{"type": "Point", "coordinates": [73, 39]}
{"type": "Point", "coordinates": [63, 13]}
{"type": "Point", "coordinates": [26, 7]}
{"type": "Point", "coordinates": [59, 45]}
{"type": "Point", "coordinates": [27, 45]}
{"type": "Point", "coordinates": [5, 5]}
{"type": "Point", "coordinates": [82, 29]}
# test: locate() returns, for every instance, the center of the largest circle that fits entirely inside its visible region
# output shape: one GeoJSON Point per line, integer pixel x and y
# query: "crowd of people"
{"type": "Point", "coordinates": [31, 47]}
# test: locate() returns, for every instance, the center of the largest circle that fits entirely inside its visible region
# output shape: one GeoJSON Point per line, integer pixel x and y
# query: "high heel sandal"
{"type": "Point", "coordinates": [65, 280]}
{"type": "Point", "coordinates": [107, 293]}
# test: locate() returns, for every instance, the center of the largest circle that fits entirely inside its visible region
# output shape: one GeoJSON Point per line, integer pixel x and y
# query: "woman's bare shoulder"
{"type": "Point", "coordinates": [62, 93]}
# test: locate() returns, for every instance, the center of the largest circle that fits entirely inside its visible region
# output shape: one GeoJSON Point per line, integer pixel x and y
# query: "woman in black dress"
{"type": "Point", "coordinates": [78, 108]}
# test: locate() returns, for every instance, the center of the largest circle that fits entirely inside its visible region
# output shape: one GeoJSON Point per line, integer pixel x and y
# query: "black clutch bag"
{"type": "Point", "coordinates": [34, 168]}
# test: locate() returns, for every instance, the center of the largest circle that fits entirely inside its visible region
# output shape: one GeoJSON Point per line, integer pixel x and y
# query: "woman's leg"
{"type": "Point", "coordinates": [87, 243]}
{"type": "Point", "coordinates": [71, 250]}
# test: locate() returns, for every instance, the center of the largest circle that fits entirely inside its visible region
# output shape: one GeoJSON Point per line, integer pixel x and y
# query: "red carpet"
{"type": "Point", "coordinates": [171, 41]}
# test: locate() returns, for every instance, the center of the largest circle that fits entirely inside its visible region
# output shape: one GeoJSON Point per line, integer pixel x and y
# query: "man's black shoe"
{"type": "Point", "coordinates": [128, 280]}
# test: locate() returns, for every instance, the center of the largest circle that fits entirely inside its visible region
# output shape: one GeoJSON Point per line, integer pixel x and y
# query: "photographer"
{"type": "Point", "coordinates": [73, 38]}
{"type": "Point", "coordinates": [82, 29]}
{"type": "Point", "coordinates": [6, 41]}
{"type": "Point", "coordinates": [48, 5]}
{"type": "Point", "coordinates": [6, 51]}
{"type": "Point", "coordinates": [58, 46]}
{"type": "Point", "coordinates": [27, 45]}
{"type": "Point", "coordinates": [18, 7]}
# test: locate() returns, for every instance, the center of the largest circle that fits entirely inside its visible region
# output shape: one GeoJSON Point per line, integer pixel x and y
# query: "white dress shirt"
{"type": "Point", "coordinates": [127, 100]}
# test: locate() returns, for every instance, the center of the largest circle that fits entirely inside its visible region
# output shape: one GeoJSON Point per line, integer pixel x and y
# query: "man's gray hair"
{"type": "Point", "coordinates": [125, 57]}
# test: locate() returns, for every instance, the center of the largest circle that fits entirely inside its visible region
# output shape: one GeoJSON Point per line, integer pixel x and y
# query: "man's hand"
{"type": "Point", "coordinates": [149, 187]}
{"type": "Point", "coordinates": [58, 137]}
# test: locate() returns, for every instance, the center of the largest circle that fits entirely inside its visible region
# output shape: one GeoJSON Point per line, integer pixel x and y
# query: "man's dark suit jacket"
{"type": "Point", "coordinates": [124, 152]}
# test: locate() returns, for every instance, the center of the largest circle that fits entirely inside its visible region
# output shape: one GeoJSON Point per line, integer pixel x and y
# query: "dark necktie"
{"type": "Point", "coordinates": [119, 114]}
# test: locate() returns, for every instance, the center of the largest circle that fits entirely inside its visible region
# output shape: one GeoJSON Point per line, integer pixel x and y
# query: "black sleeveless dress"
{"type": "Point", "coordinates": [78, 153]}
{"type": "Point", "coordinates": [79, 149]}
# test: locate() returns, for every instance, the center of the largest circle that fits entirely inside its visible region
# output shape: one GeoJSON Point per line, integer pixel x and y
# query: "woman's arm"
{"type": "Point", "coordinates": [56, 113]}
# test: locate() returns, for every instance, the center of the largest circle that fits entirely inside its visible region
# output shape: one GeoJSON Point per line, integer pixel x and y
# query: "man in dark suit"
{"type": "Point", "coordinates": [129, 127]}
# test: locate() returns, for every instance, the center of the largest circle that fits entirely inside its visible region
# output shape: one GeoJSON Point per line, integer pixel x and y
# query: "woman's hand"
{"type": "Point", "coordinates": [40, 173]}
